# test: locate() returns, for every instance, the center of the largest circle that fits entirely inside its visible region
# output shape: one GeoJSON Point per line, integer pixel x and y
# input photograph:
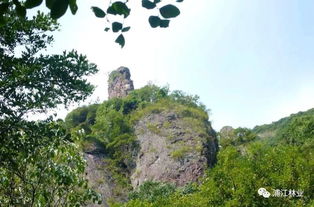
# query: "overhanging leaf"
{"type": "Point", "coordinates": [116, 26]}
{"type": "Point", "coordinates": [32, 3]}
{"type": "Point", "coordinates": [154, 21]}
{"type": "Point", "coordinates": [119, 8]}
{"type": "Point", "coordinates": [148, 4]}
{"type": "Point", "coordinates": [59, 8]}
{"type": "Point", "coordinates": [164, 23]}
{"type": "Point", "coordinates": [73, 6]}
{"type": "Point", "coordinates": [125, 29]}
{"type": "Point", "coordinates": [169, 11]}
{"type": "Point", "coordinates": [49, 3]}
{"type": "Point", "coordinates": [120, 40]}
{"type": "Point", "coordinates": [98, 12]}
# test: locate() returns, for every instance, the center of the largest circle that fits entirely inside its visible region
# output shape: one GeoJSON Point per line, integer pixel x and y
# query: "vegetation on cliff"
{"type": "Point", "coordinates": [284, 167]}
{"type": "Point", "coordinates": [113, 123]}
{"type": "Point", "coordinates": [246, 162]}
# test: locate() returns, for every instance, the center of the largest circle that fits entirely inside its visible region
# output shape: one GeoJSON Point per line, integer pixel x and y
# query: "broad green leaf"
{"type": "Point", "coordinates": [179, 0]}
{"type": "Point", "coordinates": [169, 11]}
{"type": "Point", "coordinates": [73, 6]}
{"type": "Point", "coordinates": [164, 23]}
{"type": "Point", "coordinates": [21, 11]}
{"type": "Point", "coordinates": [59, 8]}
{"type": "Point", "coordinates": [154, 21]}
{"type": "Point", "coordinates": [116, 26]}
{"type": "Point", "coordinates": [120, 40]}
{"type": "Point", "coordinates": [148, 4]}
{"type": "Point", "coordinates": [32, 3]}
{"type": "Point", "coordinates": [157, 1]}
{"type": "Point", "coordinates": [125, 29]}
{"type": "Point", "coordinates": [119, 8]}
{"type": "Point", "coordinates": [98, 12]}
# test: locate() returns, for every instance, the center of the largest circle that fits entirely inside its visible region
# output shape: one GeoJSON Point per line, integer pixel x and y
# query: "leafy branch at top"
{"type": "Point", "coordinates": [59, 7]}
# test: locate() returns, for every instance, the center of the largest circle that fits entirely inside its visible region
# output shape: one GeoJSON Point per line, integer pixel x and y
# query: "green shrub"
{"type": "Point", "coordinates": [181, 152]}
{"type": "Point", "coordinates": [152, 191]}
{"type": "Point", "coordinates": [82, 118]}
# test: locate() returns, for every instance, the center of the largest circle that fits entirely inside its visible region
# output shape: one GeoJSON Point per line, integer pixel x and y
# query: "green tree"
{"type": "Point", "coordinates": [298, 131]}
{"type": "Point", "coordinates": [236, 137]}
{"type": "Point", "coordinates": [40, 165]}
{"type": "Point", "coordinates": [82, 118]}
{"type": "Point", "coordinates": [236, 178]}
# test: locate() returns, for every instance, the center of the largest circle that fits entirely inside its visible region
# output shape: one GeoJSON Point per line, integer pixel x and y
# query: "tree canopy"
{"type": "Point", "coordinates": [40, 164]}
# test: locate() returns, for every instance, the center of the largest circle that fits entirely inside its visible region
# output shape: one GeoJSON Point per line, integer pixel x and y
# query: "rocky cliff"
{"type": "Point", "coordinates": [174, 140]}
{"type": "Point", "coordinates": [120, 83]}
{"type": "Point", "coordinates": [173, 148]}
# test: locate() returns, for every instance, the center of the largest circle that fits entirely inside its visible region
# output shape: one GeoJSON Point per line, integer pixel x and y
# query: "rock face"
{"type": "Point", "coordinates": [99, 175]}
{"type": "Point", "coordinates": [173, 149]}
{"type": "Point", "coordinates": [120, 83]}
{"type": "Point", "coordinates": [173, 145]}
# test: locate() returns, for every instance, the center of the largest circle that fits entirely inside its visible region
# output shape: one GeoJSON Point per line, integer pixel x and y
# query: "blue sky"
{"type": "Point", "coordinates": [250, 61]}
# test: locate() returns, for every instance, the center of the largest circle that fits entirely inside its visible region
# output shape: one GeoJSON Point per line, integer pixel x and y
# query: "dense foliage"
{"type": "Point", "coordinates": [39, 163]}
{"type": "Point", "coordinates": [115, 118]}
{"type": "Point", "coordinates": [39, 166]}
{"type": "Point", "coordinates": [245, 162]}
{"type": "Point", "coordinates": [32, 82]}
{"type": "Point", "coordinates": [237, 137]}
{"type": "Point", "coordinates": [273, 130]}
{"type": "Point", "coordinates": [283, 167]}
{"type": "Point", "coordinates": [81, 118]}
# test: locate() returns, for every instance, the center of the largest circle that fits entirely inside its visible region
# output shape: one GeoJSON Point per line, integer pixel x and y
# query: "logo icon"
{"type": "Point", "coordinates": [263, 192]}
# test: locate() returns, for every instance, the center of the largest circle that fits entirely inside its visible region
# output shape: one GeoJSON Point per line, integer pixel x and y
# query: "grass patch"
{"type": "Point", "coordinates": [181, 152]}
{"type": "Point", "coordinates": [153, 128]}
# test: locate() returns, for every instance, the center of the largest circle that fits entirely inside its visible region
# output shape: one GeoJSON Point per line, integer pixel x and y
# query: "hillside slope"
{"type": "Point", "coordinates": [274, 129]}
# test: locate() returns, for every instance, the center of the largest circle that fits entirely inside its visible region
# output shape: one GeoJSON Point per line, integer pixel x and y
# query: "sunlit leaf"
{"type": "Point", "coordinates": [119, 8]}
